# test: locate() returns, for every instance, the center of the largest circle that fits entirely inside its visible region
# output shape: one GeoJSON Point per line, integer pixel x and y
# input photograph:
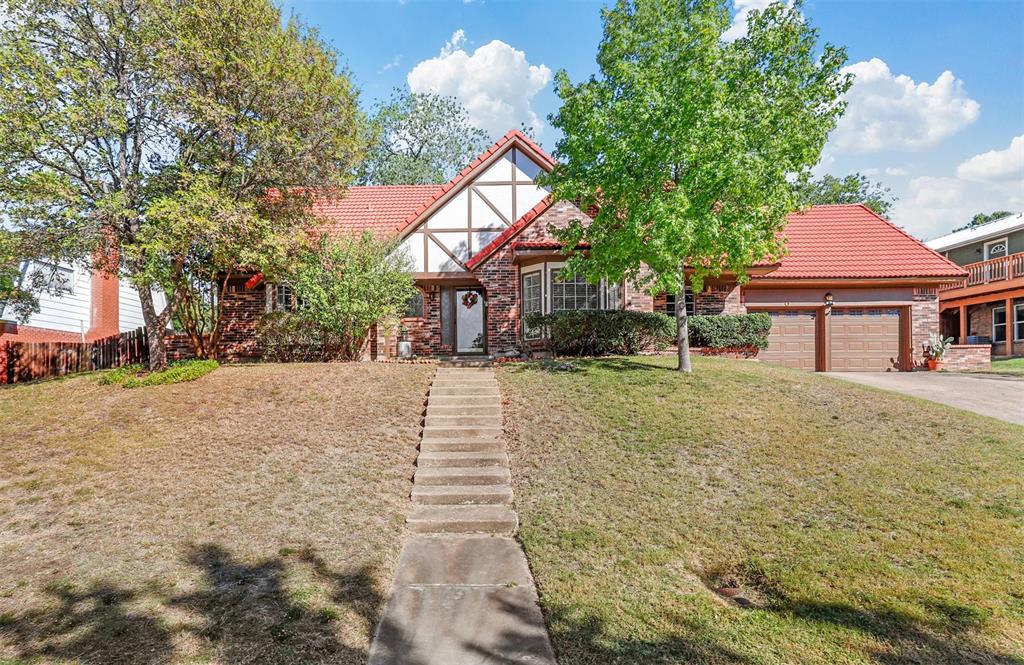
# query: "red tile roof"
{"type": "Point", "coordinates": [375, 208]}
{"type": "Point", "coordinates": [852, 242]}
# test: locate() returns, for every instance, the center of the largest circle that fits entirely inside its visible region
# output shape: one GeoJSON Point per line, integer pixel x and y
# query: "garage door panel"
{"type": "Point", "coordinates": [863, 340]}
{"type": "Point", "coordinates": [791, 339]}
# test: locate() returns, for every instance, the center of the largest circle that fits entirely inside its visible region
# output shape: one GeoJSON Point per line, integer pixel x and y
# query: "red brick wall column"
{"type": "Point", "coordinates": [104, 311]}
{"type": "Point", "coordinates": [924, 320]}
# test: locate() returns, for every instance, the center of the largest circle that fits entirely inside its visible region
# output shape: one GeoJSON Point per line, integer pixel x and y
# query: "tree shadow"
{"type": "Point", "coordinates": [96, 626]}
{"type": "Point", "coordinates": [942, 637]}
{"type": "Point", "coordinates": [242, 613]}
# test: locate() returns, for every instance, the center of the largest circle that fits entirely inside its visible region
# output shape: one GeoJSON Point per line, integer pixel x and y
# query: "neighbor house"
{"type": "Point", "coordinates": [854, 293]}
{"type": "Point", "coordinates": [988, 306]}
{"type": "Point", "coordinates": [77, 305]}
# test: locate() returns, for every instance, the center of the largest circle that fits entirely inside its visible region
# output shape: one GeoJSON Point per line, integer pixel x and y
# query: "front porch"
{"type": "Point", "coordinates": [988, 306]}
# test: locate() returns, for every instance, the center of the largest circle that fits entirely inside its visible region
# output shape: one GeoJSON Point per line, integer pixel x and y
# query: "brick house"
{"type": "Point", "coordinates": [986, 308]}
{"type": "Point", "coordinates": [855, 292]}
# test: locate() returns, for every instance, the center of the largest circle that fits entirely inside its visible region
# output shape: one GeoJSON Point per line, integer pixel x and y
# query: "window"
{"type": "Point", "coordinates": [55, 279]}
{"type": "Point", "coordinates": [999, 324]}
{"type": "Point", "coordinates": [531, 302]}
{"type": "Point", "coordinates": [1018, 322]}
{"type": "Point", "coordinates": [670, 303]}
{"type": "Point", "coordinates": [995, 249]}
{"type": "Point", "coordinates": [613, 296]}
{"type": "Point", "coordinates": [285, 299]}
{"type": "Point", "coordinates": [572, 293]}
{"type": "Point", "coordinates": [414, 308]}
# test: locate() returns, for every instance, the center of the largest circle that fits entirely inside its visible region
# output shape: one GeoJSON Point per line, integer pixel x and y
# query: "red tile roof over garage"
{"type": "Point", "coordinates": [374, 208]}
{"type": "Point", "coordinates": [852, 242]}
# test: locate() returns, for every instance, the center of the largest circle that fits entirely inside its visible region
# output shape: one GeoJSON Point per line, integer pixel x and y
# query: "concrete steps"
{"type": "Point", "coordinates": [462, 482]}
{"type": "Point", "coordinates": [456, 495]}
{"type": "Point", "coordinates": [463, 459]}
{"type": "Point", "coordinates": [463, 519]}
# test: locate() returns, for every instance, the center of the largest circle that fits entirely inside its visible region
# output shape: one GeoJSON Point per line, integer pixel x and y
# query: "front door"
{"type": "Point", "coordinates": [469, 321]}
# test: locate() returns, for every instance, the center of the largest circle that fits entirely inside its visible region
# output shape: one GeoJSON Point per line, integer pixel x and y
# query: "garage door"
{"type": "Point", "coordinates": [791, 339]}
{"type": "Point", "coordinates": [864, 340]}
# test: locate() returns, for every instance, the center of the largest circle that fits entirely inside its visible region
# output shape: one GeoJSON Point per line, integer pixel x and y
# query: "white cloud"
{"type": "Point", "coordinates": [395, 61]}
{"type": "Point", "coordinates": [495, 83]}
{"type": "Point", "coordinates": [871, 171]}
{"type": "Point", "coordinates": [995, 164]}
{"type": "Point", "coordinates": [986, 182]}
{"type": "Point", "coordinates": [894, 112]}
{"type": "Point", "coordinates": [897, 172]}
{"type": "Point", "coordinates": [738, 27]}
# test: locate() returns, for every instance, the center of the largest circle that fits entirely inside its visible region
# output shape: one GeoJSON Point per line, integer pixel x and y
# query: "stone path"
{"type": "Point", "coordinates": [462, 593]}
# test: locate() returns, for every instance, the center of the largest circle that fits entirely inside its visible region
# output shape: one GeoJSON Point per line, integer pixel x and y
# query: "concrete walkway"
{"type": "Point", "coordinates": [997, 396]}
{"type": "Point", "coordinates": [462, 593]}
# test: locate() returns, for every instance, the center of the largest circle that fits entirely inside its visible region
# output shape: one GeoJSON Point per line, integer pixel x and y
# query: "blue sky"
{"type": "Point", "coordinates": [934, 114]}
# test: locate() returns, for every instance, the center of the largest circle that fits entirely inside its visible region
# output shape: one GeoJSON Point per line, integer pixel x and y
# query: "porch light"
{"type": "Point", "coordinates": [829, 299]}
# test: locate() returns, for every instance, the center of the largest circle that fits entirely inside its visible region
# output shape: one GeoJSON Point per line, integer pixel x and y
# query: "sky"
{"type": "Point", "coordinates": [936, 112]}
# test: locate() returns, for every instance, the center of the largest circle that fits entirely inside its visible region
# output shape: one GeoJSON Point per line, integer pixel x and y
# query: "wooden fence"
{"type": "Point", "coordinates": [29, 361]}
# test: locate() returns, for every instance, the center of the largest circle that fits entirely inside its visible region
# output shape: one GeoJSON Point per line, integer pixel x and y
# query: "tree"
{"type": "Point", "coordinates": [854, 188]}
{"type": "Point", "coordinates": [17, 300]}
{"type": "Point", "coordinates": [981, 219]}
{"type": "Point", "coordinates": [419, 138]}
{"type": "Point", "coordinates": [142, 136]}
{"type": "Point", "coordinates": [684, 142]}
{"type": "Point", "coordinates": [347, 285]}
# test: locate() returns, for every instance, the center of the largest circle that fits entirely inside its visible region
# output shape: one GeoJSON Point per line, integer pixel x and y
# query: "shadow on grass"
{"type": "Point", "coordinates": [242, 613]}
{"type": "Point", "coordinates": [573, 365]}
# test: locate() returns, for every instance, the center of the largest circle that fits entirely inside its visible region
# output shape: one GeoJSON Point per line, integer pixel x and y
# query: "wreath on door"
{"type": "Point", "coordinates": [470, 299]}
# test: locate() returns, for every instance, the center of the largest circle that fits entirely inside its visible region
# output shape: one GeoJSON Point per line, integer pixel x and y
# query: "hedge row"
{"type": "Point", "coordinates": [624, 332]}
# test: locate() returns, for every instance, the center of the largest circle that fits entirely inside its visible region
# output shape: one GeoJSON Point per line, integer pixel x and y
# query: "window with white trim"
{"type": "Point", "coordinates": [999, 324]}
{"type": "Point", "coordinates": [285, 299]}
{"type": "Point", "coordinates": [1018, 322]}
{"type": "Point", "coordinates": [55, 279]}
{"type": "Point", "coordinates": [613, 296]}
{"type": "Point", "coordinates": [995, 249]}
{"type": "Point", "coordinates": [532, 302]}
{"type": "Point", "coordinates": [572, 293]}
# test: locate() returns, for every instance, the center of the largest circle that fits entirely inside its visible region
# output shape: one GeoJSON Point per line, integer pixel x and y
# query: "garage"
{"type": "Point", "coordinates": [852, 339]}
{"type": "Point", "coordinates": [864, 340]}
{"type": "Point", "coordinates": [791, 341]}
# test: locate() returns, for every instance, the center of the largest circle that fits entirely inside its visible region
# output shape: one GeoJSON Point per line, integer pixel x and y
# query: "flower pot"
{"type": "Point", "coordinates": [934, 364]}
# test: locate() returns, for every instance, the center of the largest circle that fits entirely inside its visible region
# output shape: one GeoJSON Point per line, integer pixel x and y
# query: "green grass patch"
{"type": "Point", "coordinates": [748, 513]}
{"type": "Point", "coordinates": [136, 376]}
{"type": "Point", "coordinates": [1014, 366]}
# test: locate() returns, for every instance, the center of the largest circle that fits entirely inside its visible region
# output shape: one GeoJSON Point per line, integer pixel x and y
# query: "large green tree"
{"type": "Point", "coordinates": [419, 138]}
{"type": "Point", "coordinates": [142, 136]}
{"type": "Point", "coordinates": [854, 188]}
{"type": "Point", "coordinates": [684, 143]}
{"type": "Point", "coordinates": [982, 219]}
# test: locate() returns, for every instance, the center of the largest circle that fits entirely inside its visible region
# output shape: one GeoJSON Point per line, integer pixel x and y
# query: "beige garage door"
{"type": "Point", "coordinates": [791, 340]}
{"type": "Point", "coordinates": [864, 340]}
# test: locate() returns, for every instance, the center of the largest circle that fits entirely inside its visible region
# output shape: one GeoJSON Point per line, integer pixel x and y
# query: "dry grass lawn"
{"type": "Point", "coordinates": [252, 516]}
{"type": "Point", "coordinates": [756, 514]}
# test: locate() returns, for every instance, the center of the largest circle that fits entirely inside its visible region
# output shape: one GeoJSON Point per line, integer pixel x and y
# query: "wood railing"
{"type": "Point", "coordinates": [993, 270]}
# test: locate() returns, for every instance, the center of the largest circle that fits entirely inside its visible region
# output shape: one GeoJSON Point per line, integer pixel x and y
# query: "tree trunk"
{"type": "Point", "coordinates": [155, 324]}
{"type": "Point", "coordinates": [683, 331]}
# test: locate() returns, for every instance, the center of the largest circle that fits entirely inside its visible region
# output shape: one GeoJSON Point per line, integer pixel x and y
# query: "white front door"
{"type": "Point", "coordinates": [469, 321]}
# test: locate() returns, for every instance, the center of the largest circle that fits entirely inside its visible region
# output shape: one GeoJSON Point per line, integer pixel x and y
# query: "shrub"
{"type": "Point", "coordinates": [727, 331]}
{"type": "Point", "coordinates": [135, 376]}
{"type": "Point", "coordinates": [603, 332]}
{"type": "Point", "coordinates": [291, 337]}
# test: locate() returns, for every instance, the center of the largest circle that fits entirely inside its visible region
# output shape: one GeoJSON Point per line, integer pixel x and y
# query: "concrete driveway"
{"type": "Point", "coordinates": [997, 396]}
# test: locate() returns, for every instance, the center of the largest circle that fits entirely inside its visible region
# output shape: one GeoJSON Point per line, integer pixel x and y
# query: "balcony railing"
{"type": "Point", "coordinates": [993, 270]}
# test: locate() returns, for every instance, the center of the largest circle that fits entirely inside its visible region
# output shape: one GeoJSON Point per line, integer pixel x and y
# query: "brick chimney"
{"type": "Point", "coordinates": [105, 313]}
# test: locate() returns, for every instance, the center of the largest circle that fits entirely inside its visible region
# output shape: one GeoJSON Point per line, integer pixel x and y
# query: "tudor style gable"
{"type": "Point", "coordinates": [478, 206]}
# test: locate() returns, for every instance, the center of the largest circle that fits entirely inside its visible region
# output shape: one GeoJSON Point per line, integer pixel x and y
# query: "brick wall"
{"type": "Point", "coordinates": [179, 347]}
{"type": "Point", "coordinates": [967, 356]}
{"type": "Point", "coordinates": [243, 308]}
{"type": "Point", "coordinates": [15, 332]}
{"type": "Point", "coordinates": [924, 320]}
{"type": "Point", "coordinates": [980, 318]}
{"type": "Point", "coordinates": [719, 298]}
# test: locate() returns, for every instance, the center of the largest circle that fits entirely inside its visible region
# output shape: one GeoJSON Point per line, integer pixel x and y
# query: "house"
{"type": "Point", "coordinates": [854, 293]}
{"type": "Point", "coordinates": [987, 306]}
{"type": "Point", "coordinates": [79, 305]}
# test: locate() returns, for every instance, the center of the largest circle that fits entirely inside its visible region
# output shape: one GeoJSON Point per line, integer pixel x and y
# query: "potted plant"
{"type": "Point", "coordinates": [936, 350]}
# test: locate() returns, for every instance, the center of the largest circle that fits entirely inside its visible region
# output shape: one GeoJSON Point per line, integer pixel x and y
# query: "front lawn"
{"type": "Point", "coordinates": [755, 514]}
{"type": "Point", "coordinates": [1011, 366]}
{"type": "Point", "coordinates": [252, 515]}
